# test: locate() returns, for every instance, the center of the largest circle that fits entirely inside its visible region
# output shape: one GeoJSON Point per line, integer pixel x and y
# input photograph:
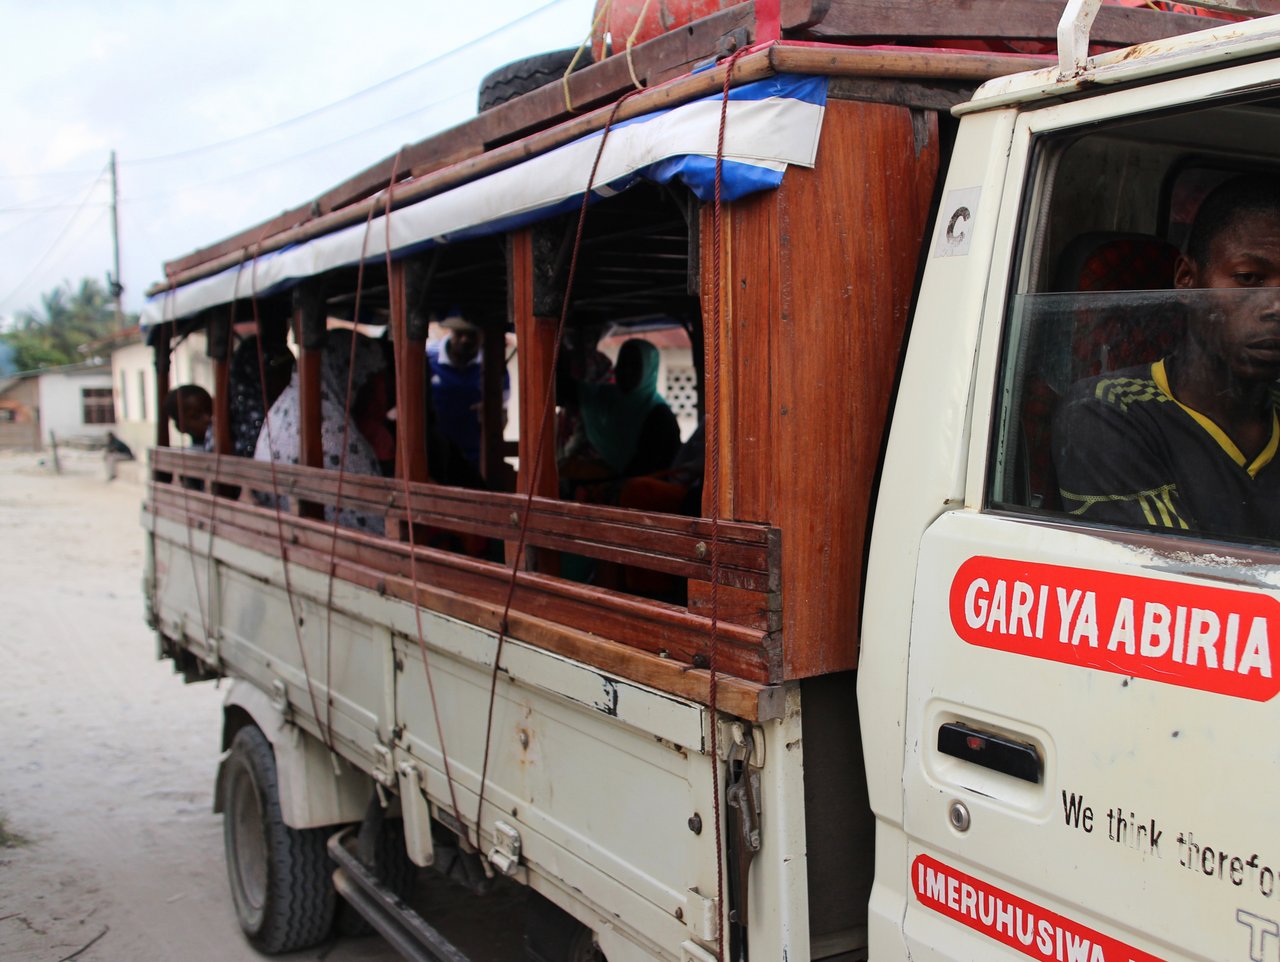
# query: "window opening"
{"type": "Point", "coordinates": [97, 405]}
{"type": "Point", "coordinates": [1117, 355]}
{"type": "Point", "coordinates": [629, 392]}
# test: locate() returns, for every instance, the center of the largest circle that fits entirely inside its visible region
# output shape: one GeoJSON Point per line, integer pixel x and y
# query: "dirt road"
{"type": "Point", "coordinates": [108, 759]}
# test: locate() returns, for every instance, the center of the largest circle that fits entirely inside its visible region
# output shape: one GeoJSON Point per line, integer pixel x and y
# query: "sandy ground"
{"type": "Point", "coordinates": [108, 759]}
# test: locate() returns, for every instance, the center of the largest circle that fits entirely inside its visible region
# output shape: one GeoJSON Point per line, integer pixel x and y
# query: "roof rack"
{"type": "Point", "coordinates": [832, 27]}
{"type": "Point", "coordinates": [1079, 15]}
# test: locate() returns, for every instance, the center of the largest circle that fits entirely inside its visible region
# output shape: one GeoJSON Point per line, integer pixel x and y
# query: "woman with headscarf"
{"type": "Point", "coordinates": [247, 394]}
{"type": "Point", "coordinates": [628, 422]}
{"type": "Point", "coordinates": [281, 432]}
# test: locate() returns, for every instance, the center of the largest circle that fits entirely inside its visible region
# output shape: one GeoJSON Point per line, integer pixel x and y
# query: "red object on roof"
{"type": "Point", "coordinates": [616, 21]}
{"type": "Point", "coordinates": [621, 16]}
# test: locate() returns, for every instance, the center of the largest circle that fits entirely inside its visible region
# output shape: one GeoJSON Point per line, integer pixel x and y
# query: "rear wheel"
{"type": "Point", "coordinates": [553, 935]}
{"type": "Point", "coordinates": [280, 876]}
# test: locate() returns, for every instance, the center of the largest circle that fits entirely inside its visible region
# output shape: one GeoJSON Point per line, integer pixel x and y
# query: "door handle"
{"type": "Point", "coordinates": [997, 752]}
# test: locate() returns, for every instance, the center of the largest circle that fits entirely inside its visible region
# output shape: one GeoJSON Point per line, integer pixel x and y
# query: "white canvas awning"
{"type": "Point", "coordinates": [771, 123]}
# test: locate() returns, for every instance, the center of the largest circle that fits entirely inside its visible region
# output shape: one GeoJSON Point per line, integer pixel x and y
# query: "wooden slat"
{"type": "Point", "coordinates": [648, 529]}
{"type": "Point", "coordinates": [863, 20]}
{"type": "Point", "coordinates": [666, 543]}
{"type": "Point", "coordinates": [802, 452]}
{"type": "Point", "coordinates": [736, 696]}
{"type": "Point", "coordinates": [861, 212]}
{"type": "Point", "coordinates": [647, 625]}
{"type": "Point", "coordinates": [881, 67]}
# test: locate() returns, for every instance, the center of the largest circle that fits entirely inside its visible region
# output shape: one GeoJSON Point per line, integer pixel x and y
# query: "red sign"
{"type": "Point", "coordinates": [1013, 921]}
{"type": "Point", "coordinates": [1195, 636]}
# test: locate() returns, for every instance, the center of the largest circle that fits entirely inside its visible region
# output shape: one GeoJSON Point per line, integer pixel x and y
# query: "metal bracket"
{"type": "Point", "coordinates": [1073, 37]}
{"type": "Point", "coordinates": [416, 811]}
{"type": "Point", "coordinates": [735, 735]}
{"type": "Point", "coordinates": [505, 854]}
{"type": "Point", "coordinates": [383, 766]}
{"type": "Point", "coordinates": [280, 696]}
{"type": "Point", "coordinates": [703, 916]}
{"type": "Point", "coordinates": [742, 799]}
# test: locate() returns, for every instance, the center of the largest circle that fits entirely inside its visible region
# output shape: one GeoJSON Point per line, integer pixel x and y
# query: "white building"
{"type": "Point", "coordinates": [73, 404]}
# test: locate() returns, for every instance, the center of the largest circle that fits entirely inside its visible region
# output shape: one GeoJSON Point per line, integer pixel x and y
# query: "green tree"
{"type": "Point", "coordinates": [66, 319]}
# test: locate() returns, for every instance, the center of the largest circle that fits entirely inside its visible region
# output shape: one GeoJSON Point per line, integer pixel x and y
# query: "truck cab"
{"type": "Point", "coordinates": [1062, 759]}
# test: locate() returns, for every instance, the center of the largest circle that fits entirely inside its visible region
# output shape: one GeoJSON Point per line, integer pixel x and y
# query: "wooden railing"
{"type": "Point", "coordinates": [210, 492]}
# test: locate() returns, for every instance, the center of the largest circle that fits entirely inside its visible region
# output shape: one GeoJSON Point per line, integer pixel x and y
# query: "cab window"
{"type": "Point", "coordinates": [1142, 342]}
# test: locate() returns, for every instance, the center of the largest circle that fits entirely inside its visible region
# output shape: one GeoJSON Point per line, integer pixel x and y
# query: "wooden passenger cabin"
{"type": "Point", "coordinates": [796, 342]}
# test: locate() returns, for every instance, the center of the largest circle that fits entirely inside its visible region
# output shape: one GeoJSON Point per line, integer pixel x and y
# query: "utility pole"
{"type": "Point", "coordinates": [117, 289]}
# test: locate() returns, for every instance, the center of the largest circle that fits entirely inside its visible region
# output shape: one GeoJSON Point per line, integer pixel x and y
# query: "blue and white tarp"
{"type": "Point", "coordinates": [770, 124]}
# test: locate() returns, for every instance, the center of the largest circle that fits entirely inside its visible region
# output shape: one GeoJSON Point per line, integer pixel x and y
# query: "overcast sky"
{"type": "Point", "coordinates": [221, 114]}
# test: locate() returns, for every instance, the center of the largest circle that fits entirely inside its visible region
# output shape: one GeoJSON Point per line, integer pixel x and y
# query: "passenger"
{"type": "Point", "coordinates": [281, 431]}
{"type": "Point", "coordinates": [584, 365]}
{"type": "Point", "coordinates": [1189, 443]}
{"type": "Point", "coordinates": [246, 388]}
{"type": "Point", "coordinates": [457, 383]}
{"type": "Point", "coordinates": [374, 411]}
{"type": "Point", "coordinates": [190, 408]}
{"type": "Point", "coordinates": [627, 422]}
{"type": "Point", "coordinates": [116, 451]}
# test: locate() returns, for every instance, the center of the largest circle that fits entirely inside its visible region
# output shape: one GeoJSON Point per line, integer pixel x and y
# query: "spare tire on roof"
{"type": "Point", "coordinates": [529, 73]}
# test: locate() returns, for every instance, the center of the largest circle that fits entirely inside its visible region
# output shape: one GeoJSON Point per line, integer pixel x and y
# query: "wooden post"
{"type": "Point", "coordinates": [160, 340]}
{"type": "Point", "coordinates": [492, 410]}
{"type": "Point", "coordinates": [408, 336]}
{"type": "Point", "coordinates": [218, 347]}
{"type": "Point", "coordinates": [309, 330]}
{"type": "Point", "coordinates": [535, 339]}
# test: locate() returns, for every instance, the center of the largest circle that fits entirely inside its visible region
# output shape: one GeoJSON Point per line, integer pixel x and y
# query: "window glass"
{"type": "Point", "coordinates": [1138, 382]}
{"type": "Point", "coordinates": [97, 405]}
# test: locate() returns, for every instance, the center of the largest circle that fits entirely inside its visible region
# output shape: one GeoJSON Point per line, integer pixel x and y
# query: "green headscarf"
{"type": "Point", "coordinates": [614, 418]}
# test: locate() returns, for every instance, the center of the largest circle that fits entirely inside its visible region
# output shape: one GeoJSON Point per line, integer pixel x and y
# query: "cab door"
{"type": "Point", "coordinates": [1090, 766]}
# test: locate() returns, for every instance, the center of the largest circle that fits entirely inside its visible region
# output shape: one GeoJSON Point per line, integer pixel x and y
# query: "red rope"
{"type": "Point", "coordinates": [413, 562]}
{"type": "Point", "coordinates": [548, 411]}
{"type": "Point", "coordinates": [331, 567]}
{"type": "Point", "coordinates": [325, 733]}
{"type": "Point", "coordinates": [713, 451]}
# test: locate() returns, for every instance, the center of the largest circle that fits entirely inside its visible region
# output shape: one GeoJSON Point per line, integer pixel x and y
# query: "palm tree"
{"type": "Point", "coordinates": [52, 334]}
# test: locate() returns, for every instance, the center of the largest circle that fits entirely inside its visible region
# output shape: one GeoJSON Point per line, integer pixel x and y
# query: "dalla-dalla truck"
{"type": "Point", "coordinates": [788, 481]}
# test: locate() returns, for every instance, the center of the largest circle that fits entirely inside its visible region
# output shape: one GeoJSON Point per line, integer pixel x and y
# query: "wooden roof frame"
{"type": "Point", "coordinates": [557, 113]}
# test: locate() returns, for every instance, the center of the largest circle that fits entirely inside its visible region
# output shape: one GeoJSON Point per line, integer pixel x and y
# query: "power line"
{"type": "Point", "coordinates": [14, 228]}
{"type": "Point", "coordinates": [52, 201]}
{"type": "Point", "coordinates": [279, 125]}
{"type": "Point", "coordinates": [48, 174]}
{"type": "Point", "coordinates": [58, 240]}
{"type": "Point", "coordinates": [44, 260]}
{"type": "Point", "coordinates": [46, 208]}
{"type": "Point", "coordinates": [292, 157]}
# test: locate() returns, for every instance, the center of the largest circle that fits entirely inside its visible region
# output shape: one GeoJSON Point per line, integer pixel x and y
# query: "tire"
{"type": "Point", "coordinates": [553, 935]}
{"type": "Point", "coordinates": [530, 73]}
{"type": "Point", "coordinates": [280, 877]}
